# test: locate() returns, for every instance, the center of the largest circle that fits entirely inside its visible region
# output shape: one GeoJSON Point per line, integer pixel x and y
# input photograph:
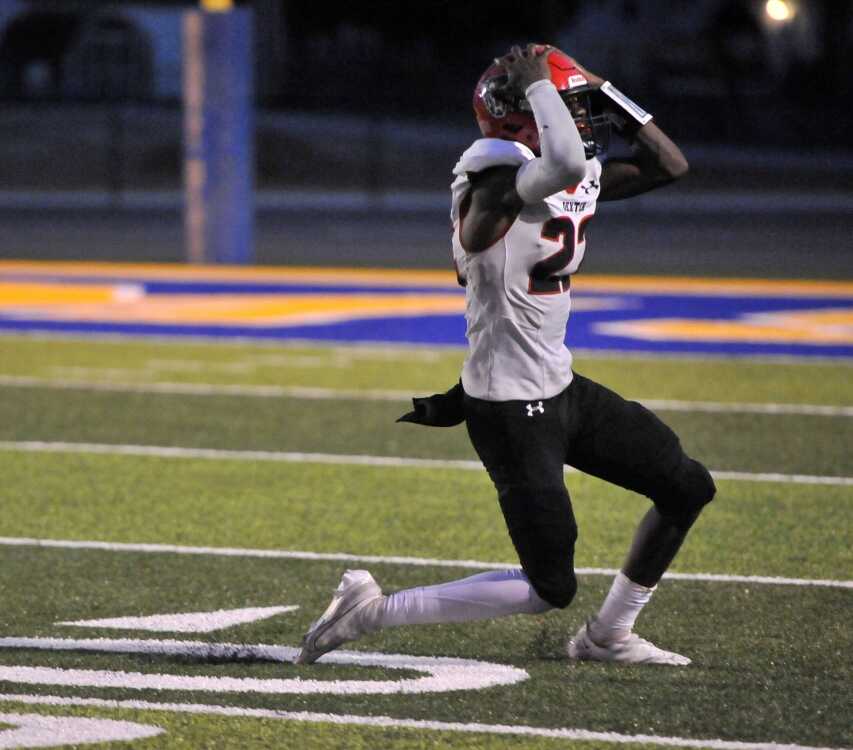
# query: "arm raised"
{"type": "Point", "coordinates": [655, 161]}
{"type": "Point", "coordinates": [563, 161]}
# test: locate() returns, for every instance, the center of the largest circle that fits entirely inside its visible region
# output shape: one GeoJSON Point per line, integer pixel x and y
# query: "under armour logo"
{"type": "Point", "coordinates": [593, 185]}
{"type": "Point", "coordinates": [531, 408]}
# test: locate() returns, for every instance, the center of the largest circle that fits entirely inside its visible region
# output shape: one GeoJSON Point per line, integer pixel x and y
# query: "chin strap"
{"type": "Point", "coordinates": [626, 115]}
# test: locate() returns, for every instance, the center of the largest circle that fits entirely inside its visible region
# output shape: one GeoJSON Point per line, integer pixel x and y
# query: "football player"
{"type": "Point", "coordinates": [522, 199]}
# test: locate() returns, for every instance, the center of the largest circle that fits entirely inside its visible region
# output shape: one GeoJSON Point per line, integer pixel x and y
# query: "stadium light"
{"type": "Point", "coordinates": [780, 11]}
{"type": "Point", "coordinates": [217, 6]}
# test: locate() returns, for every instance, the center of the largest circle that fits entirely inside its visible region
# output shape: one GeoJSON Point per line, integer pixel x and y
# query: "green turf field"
{"type": "Point", "coordinates": [772, 660]}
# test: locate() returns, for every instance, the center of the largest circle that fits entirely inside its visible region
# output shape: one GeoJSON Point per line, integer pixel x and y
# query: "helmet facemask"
{"type": "Point", "coordinates": [593, 127]}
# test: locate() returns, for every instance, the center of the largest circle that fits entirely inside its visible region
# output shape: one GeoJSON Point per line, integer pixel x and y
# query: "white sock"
{"type": "Point", "coordinates": [619, 612]}
{"type": "Point", "coordinates": [478, 597]}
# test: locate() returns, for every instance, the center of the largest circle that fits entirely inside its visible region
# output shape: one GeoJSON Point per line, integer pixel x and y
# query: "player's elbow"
{"type": "Point", "coordinates": [668, 171]}
{"type": "Point", "coordinates": [677, 167]}
{"type": "Point", "coordinates": [667, 165]}
{"type": "Point", "coordinates": [576, 173]}
{"type": "Point", "coordinates": [570, 168]}
{"type": "Point", "coordinates": [672, 164]}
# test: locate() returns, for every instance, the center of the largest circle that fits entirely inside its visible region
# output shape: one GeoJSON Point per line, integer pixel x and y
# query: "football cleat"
{"type": "Point", "coordinates": [348, 617]}
{"type": "Point", "coordinates": [629, 650]}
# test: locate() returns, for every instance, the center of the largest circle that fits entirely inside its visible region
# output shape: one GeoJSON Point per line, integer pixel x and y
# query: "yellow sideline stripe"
{"type": "Point", "coordinates": [181, 272]}
{"type": "Point", "coordinates": [12, 293]}
{"type": "Point", "coordinates": [830, 327]}
{"type": "Point", "coordinates": [127, 303]}
{"type": "Point", "coordinates": [422, 277]}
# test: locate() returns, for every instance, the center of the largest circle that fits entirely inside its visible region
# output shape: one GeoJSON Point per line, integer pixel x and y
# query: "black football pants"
{"type": "Point", "coordinates": [525, 445]}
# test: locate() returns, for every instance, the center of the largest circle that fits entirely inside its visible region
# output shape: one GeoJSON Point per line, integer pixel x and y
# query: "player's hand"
{"type": "Point", "coordinates": [525, 66]}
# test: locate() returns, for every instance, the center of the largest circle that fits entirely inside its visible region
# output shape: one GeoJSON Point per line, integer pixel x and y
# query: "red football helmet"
{"type": "Point", "coordinates": [504, 113]}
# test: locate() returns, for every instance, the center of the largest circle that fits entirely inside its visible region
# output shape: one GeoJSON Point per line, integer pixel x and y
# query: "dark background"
{"type": "Point", "coordinates": [363, 107]}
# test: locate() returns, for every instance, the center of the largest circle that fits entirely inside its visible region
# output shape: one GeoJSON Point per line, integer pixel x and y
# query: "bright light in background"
{"type": "Point", "coordinates": [780, 11]}
{"type": "Point", "coordinates": [217, 6]}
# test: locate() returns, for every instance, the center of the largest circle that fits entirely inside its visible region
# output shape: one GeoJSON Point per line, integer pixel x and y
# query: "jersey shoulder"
{"type": "Point", "coordinates": [492, 152]}
{"type": "Point", "coordinates": [482, 154]}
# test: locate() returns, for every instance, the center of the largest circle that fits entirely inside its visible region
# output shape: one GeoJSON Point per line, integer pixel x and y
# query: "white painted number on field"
{"type": "Point", "coordinates": [441, 674]}
{"type": "Point", "coordinates": [35, 730]}
{"type": "Point", "coordinates": [185, 622]}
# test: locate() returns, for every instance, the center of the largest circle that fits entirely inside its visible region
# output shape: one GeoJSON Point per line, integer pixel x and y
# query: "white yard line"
{"type": "Point", "coordinates": [176, 549]}
{"type": "Point", "coordinates": [216, 454]}
{"type": "Point", "coordinates": [720, 407]}
{"type": "Point", "coordinates": [210, 389]}
{"type": "Point", "coordinates": [747, 476]}
{"type": "Point", "coordinates": [180, 340]}
{"type": "Point", "coordinates": [416, 724]}
{"type": "Point", "coordinates": [351, 394]}
{"type": "Point", "coordinates": [344, 459]}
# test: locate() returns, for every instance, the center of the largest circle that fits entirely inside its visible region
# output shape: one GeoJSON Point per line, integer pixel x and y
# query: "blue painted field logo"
{"type": "Point", "coordinates": [613, 313]}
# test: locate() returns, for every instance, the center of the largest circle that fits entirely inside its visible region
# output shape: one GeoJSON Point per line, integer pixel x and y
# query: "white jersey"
{"type": "Point", "coordinates": [518, 295]}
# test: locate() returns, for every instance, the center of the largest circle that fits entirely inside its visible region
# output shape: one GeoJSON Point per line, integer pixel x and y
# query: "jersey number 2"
{"type": "Point", "coordinates": [545, 276]}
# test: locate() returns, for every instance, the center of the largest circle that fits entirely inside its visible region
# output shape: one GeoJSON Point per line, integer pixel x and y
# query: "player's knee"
{"type": "Point", "coordinates": [559, 590]}
{"type": "Point", "coordinates": [691, 489]}
{"type": "Point", "coordinates": [552, 572]}
{"type": "Point", "coordinates": [699, 487]}
{"type": "Point", "coordinates": [544, 532]}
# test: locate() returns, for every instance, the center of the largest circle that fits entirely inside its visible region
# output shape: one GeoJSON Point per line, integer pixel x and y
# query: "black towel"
{"type": "Point", "coordinates": [438, 410]}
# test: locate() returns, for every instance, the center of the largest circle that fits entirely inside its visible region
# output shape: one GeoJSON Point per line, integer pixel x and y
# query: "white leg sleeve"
{"type": "Point", "coordinates": [563, 161]}
{"type": "Point", "coordinates": [479, 597]}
